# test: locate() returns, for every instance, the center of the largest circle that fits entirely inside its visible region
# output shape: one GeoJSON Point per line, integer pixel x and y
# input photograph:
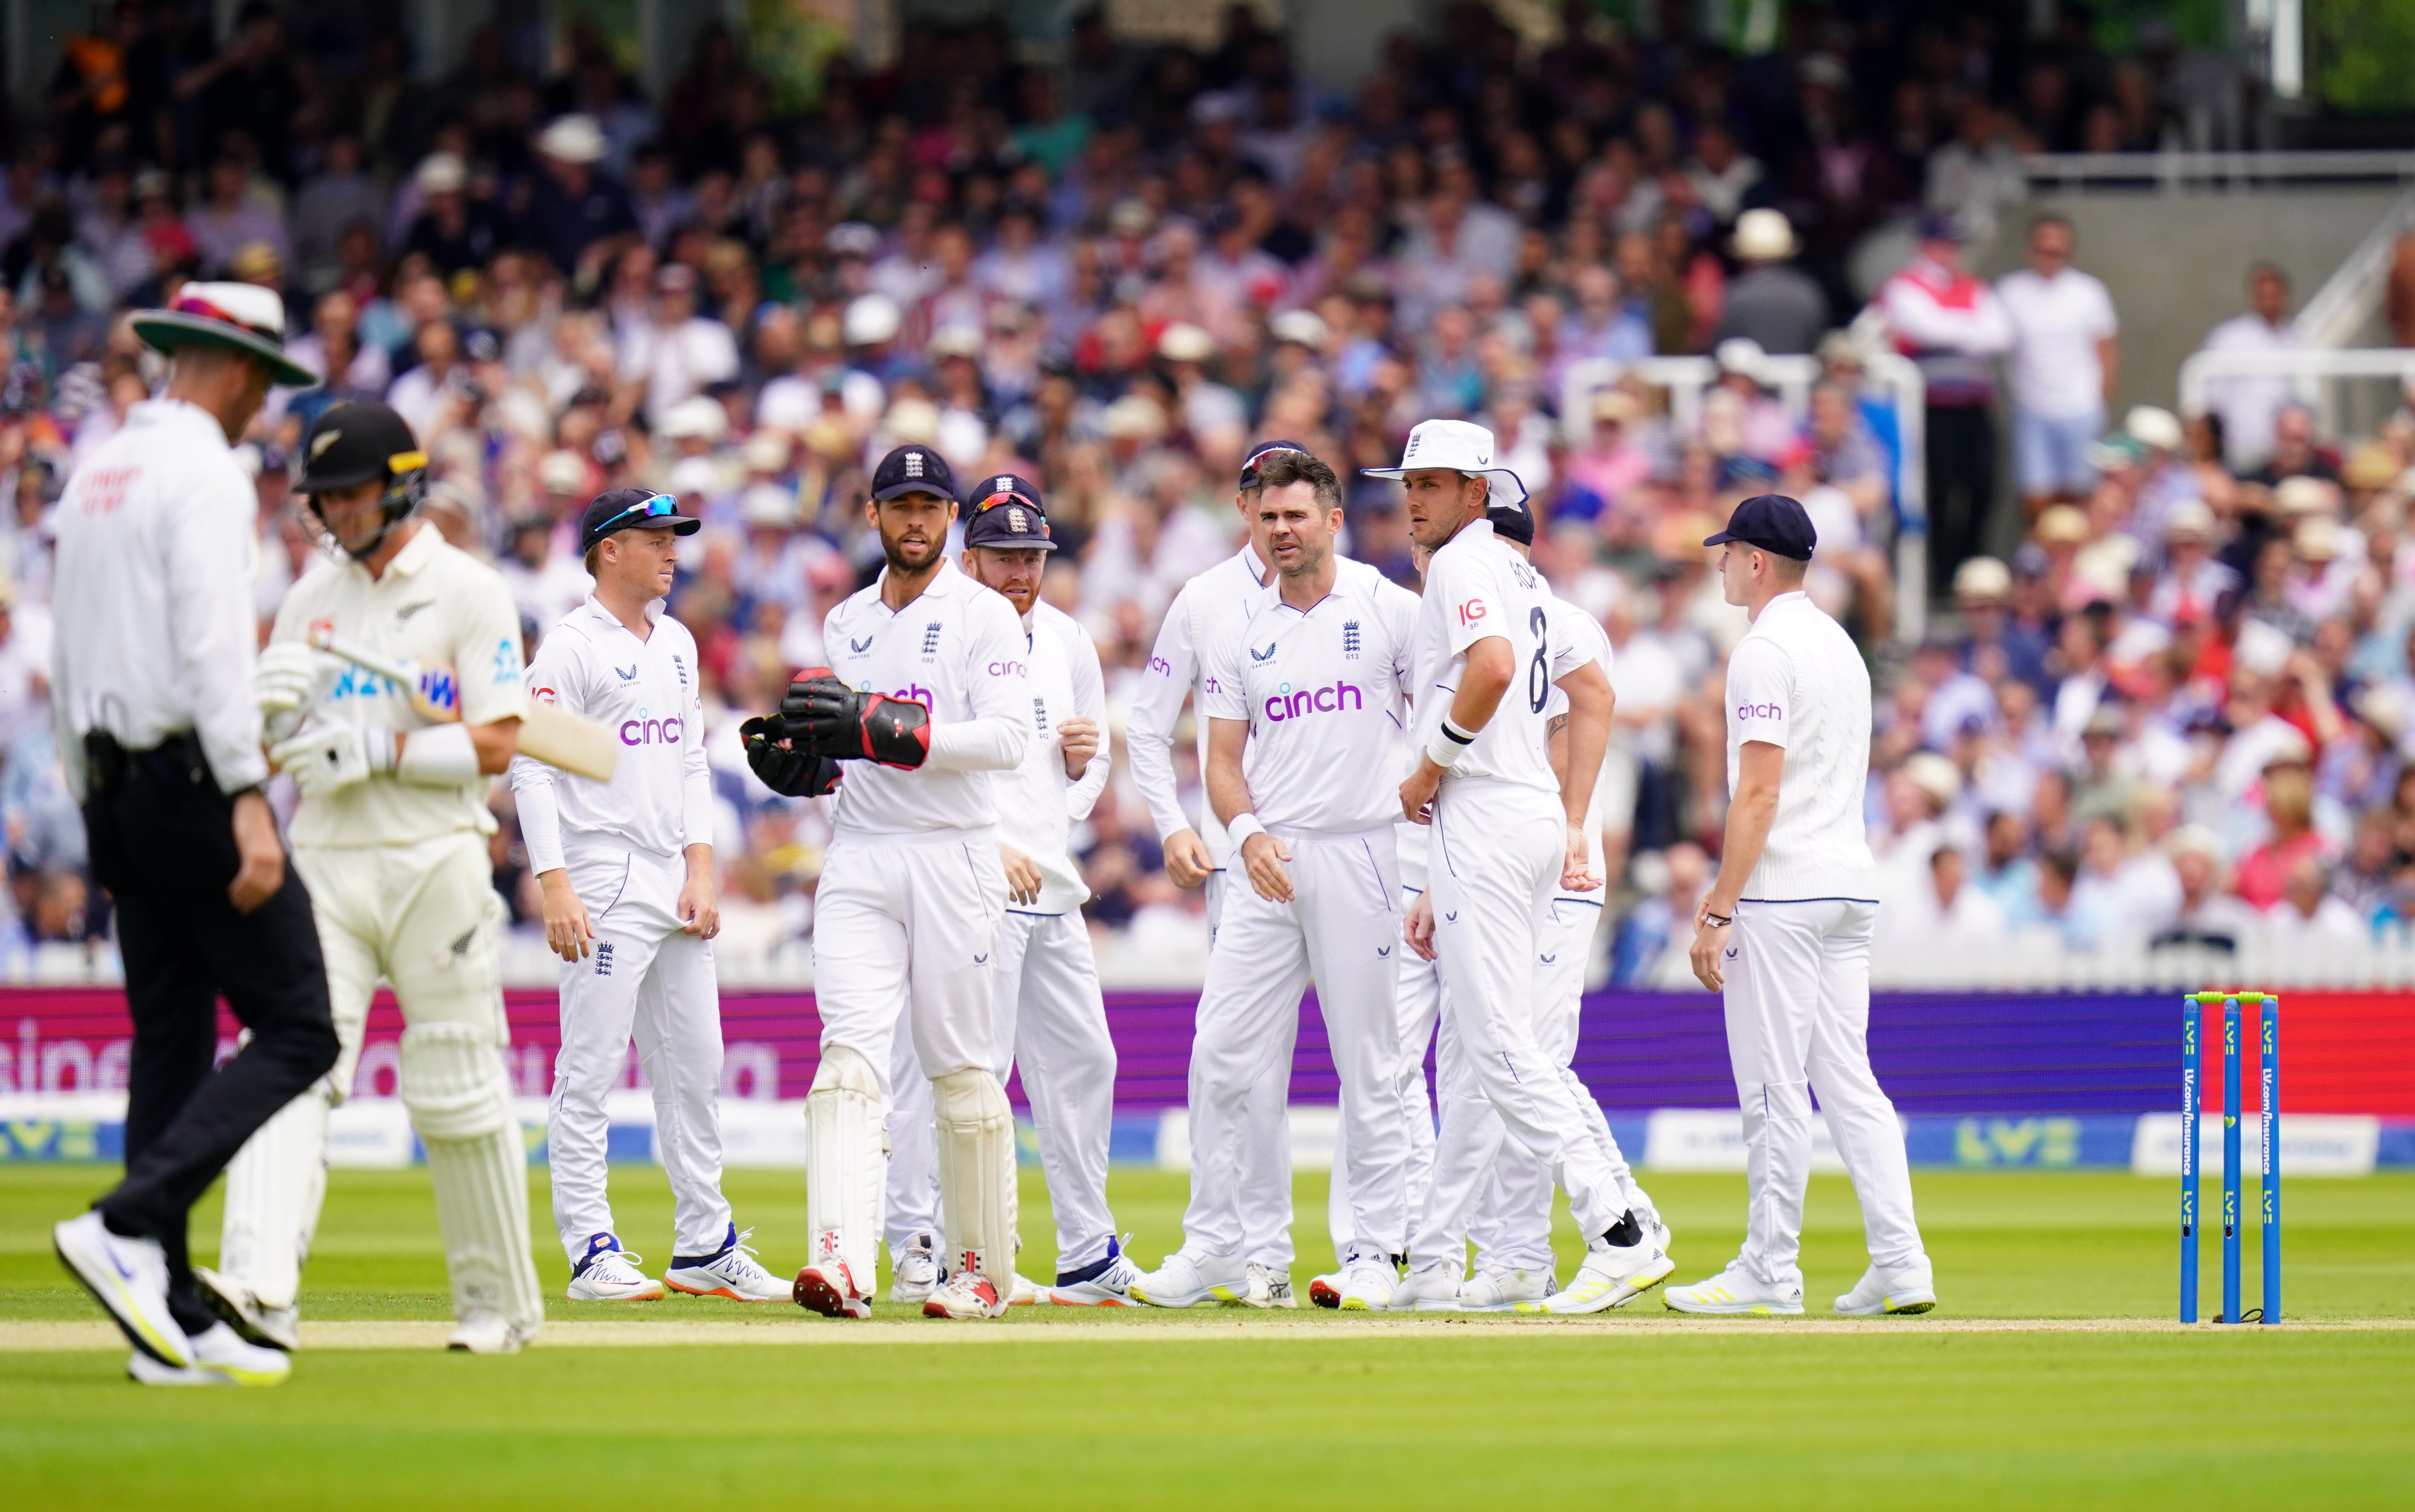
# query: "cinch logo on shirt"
{"type": "Point", "coordinates": [909, 693]}
{"type": "Point", "coordinates": [1760, 710]}
{"type": "Point", "coordinates": [1008, 669]}
{"type": "Point", "coordinates": [644, 731]}
{"type": "Point", "coordinates": [1286, 704]}
{"type": "Point", "coordinates": [1161, 666]}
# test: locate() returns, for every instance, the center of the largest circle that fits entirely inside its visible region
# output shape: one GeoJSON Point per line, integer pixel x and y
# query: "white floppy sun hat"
{"type": "Point", "coordinates": [246, 317]}
{"type": "Point", "coordinates": [1460, 446]}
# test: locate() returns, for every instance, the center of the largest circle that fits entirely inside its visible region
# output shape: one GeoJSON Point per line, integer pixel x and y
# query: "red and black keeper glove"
{"type": "Point", "coordinates": [827, 717]}
{"type": "Point", "coordinates": [789, 773]}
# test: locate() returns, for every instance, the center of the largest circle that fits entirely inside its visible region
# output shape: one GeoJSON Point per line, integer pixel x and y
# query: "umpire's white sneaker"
{"type": "Point", "coordinates": [731, 1272]}
{"type": "Point", "coordinates": [1105, 1283]}
{"type": "Point", "coordinates": [1188, 1280]}
{"type": "Point", "coordinates": [1426, 1291]}
{"type": "Point", "coordinates": [482, 1331]}
{"type": "Point", "coordinates": [1612, 1276]}
{"type": "Point", "coordinates": [129, 1278]}
{"type": "Point", "coordinates": [914, 1271]}
{"type": "Point", "coordinates": [276, 1328]}
{"type": "Point", "coordinates": [221, 1357]}
{"type": "Point", "coordinates": [611, 1274]}
{"type": "Point", "coordinates": [1736, 1291]}
{"type": "Point", "coordinates": [1904, 1289]}
{"type": "Point", "coordinates": [1368, 1285]}
{"type": "Point", "coordinates": [1504, 1290]}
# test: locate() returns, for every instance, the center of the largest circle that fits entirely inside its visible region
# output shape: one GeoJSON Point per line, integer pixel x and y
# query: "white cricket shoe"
{"type": "Point", "coordinates": [733, 1273]}
{"type": "Point", "coordinates": [221, 1357]}
{"type": "Point", "coordinates": [1025, 1292]}
{"type": "Point", "coordinates": [1736, 1293]}
{"type": "Point", "coordinates": [1186, 1281]}
{"type": "Point", "coordinates": [966, 1294]}
{"type": "Point", "coordinates": [1268, 1287]}
{"type": "Point", "coordinates": [1325, 1289]}
{"type": "Point", "coordinates": [1612, 1276]}
{"type": "Point", "coordinates": [129, 1278]}
{"type": "Point", "coordinates": [828, 1285]}
{"type": "Point", "coordinates": [276, 1328]}
{"type": "Point", "coordinates": [484, 1331]}
{"type": "Point", "coordinates": [1368, 1285]}
{"type": "Point", "coordinates": [914, 1272]}
{"type": "Point", "coordinates": [610, 1273]}
{"type": "Point", "coordinates": [1426, 1291]}
{"type": "Point", "coordinates": [1105, 1284]}
{"type": "Point", "coordinates": [1907, 1289]}
{"type": "Point", "coordinates": [1504, 1290]}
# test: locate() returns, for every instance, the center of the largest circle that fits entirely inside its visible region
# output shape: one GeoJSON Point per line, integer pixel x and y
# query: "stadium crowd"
{"type": "Point", "coordinates": [2170, 699]}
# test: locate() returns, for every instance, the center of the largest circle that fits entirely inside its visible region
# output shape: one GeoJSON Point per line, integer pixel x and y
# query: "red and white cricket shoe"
{"type": "Point", "coordinates": [829, 1287]}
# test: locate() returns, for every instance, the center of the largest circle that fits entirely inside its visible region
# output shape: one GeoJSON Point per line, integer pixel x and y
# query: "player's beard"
{"type": "Point", "coordinates": [907, 566]}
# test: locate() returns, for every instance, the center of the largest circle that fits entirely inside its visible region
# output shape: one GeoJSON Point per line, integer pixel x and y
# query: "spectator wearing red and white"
{"type": "Point", "coordinates": [2063, 362]}
{"type": "Point", "coordinates": [2248, 405]}
{"type": "Point", "coordinates": [1952, 325]}
{"type": "Point", "coordinates": [2194, 580]}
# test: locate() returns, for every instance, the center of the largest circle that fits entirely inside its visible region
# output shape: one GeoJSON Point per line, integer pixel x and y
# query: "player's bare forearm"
{"type": "Point", "coordinates": [1492, 667]}
{"type": "Point", "coordinates": [1590, 702]}
{"type": "Point", "coordinates": [496, 744]}
{"type": "Point", "coordinates": [1228, 791]}
{"type": "Point", "coordinates": [1750, 812]}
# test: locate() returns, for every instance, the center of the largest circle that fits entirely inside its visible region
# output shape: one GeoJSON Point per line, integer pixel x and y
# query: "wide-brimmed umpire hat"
{"type": "Point", "coordinates": [1007, 515]}
{"type": "Point", "coordinates": [357, 443]}
{"type": "Point", "coordinates": [243, 317]}
{"type": "Point", "coordinates": [913, 468]}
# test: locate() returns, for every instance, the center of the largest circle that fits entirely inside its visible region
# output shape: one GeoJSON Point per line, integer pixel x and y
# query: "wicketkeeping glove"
{"type": "Point", "coordinates": [788, 772]}
{"type": "Point", "coordinates": [826, 717]}
{"type": "Point", "coordinates": [288, 678]}
{"type": "Point", "coordinates": [331, 757]}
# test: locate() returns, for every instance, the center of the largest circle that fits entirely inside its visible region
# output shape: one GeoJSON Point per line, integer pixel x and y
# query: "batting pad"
{"type": "Point", "coordinates": [847, 1160]}
{"type": "Point", "coordinates": [459, 1100]}
{"type": "Point", "coordinates": [976, 1134]}
{"type": "Point", "coordinates": [275, 1186]}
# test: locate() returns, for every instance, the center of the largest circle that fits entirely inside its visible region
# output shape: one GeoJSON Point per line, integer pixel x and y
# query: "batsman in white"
{"type": "Point", "coordinates": [1506, 832]}
{"type": "Point", "coordinates": [1306, 696]}
{"type": "Point", "coordinates": [1052, 1019]}
{"type": "Point", "coordinates": [391, 836]}
{"type": "Point", "coordinates": [627, 871]}
{"type": "Point", "coordinates": [929, 694]}
{"type": "Point", "coordinates": [1784, 933]}
{"type": "Point", "coordinates": [1196, 856]}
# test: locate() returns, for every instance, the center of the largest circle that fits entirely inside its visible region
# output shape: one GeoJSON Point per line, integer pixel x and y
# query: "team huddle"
{"type": "Point", "coordinates": [1403, 805]}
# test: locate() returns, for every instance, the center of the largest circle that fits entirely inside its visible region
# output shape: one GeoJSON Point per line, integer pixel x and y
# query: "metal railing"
{"type": "Point", "coordinates": [2312, 374]}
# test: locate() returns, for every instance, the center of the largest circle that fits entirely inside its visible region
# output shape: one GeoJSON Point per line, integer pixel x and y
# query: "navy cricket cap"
{"type": "Point", "coordinates": [632, 509]}
{"type": "Point", "coordinates": [1007, 515]}
{"type": "Point", "coordinates": [1262, 450]}
{"type": "Point", "coordinates": [914, 469]}
{"type": "Point", "coordinates": [1773, 523]}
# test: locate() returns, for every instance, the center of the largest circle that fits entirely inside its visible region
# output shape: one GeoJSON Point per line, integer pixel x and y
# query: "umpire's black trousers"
{"type": "Point", "coordinates": [163, 844]}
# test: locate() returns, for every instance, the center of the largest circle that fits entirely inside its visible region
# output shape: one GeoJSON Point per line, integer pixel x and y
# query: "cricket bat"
{"type": "Point", "coordinates": [550, 735]}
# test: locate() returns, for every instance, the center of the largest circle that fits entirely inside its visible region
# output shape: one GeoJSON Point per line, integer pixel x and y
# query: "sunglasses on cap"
{"type": "Point", "coordinates": [659, 506]}
{"type": "Point", "coordinates": [1250, 467]}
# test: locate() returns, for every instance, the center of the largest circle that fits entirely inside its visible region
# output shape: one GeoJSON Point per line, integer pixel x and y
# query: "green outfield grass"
{"type": "Point", "coordinates": [1339, 1415]}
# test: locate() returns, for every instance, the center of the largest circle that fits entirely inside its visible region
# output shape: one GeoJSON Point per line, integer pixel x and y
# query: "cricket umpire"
{"type": "Point", "coordinates": [160, 732]}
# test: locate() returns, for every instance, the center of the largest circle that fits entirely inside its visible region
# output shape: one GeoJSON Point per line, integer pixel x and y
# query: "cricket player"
{"type": "Point", "coordinates": [1196, 857]}
{"type": "Point", "coordinates": [1306, 694]}
{"type": "Point", "coordinates": [391, 836]}
{"type": "Point", "coordinates": [1052, 1019]}
{"type": "Point", "coordinates": [1784, 933]}
{"type": "Point", "coordinates": [1500, 842]}
{"type": "Point", "coordinates": [627, 871]}
{"type": "Point", "coordinates": [928, 696]}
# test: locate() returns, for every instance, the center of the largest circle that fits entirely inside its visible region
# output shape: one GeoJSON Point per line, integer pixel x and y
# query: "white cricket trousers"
{"type": "Point", "coordinates": [425, 918]}
{"type": "Point", "coordinates": [1340, 928]}
{"type": "Point", "coordinates": [1798, 1015]}
{"type": "Point", "coordinates": [1052, 1021]}
{"type": "Point", "coordinates": [650, 979]}
{"type": "Point", "coordinates": [1418, 1004]}
{"type": "Point", "coordinates": [1491, 865]}
{"type": "Point", "coordinates": [1263, 1143]}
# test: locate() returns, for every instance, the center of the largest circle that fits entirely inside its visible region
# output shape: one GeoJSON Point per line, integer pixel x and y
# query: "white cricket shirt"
{"type": "Point", "coordinates": [647, 694]}
{"type": "Point", "coordinates": [1796, 681]}
{"type": "Point", "coordinates": [1477, 589]}
{"type": "Point", "coordinates": [958, 649]}
{"type": "Point", "coordinates": [436, 605]}
{"type": "Point", "coordinates": [152, 596]}
{"type": "Point", "coordinates": [1325, 692]}
{"type": "Point", "coordinates": [1173, 673]}
{"type": "Point", "coordinates": [1037, 806]}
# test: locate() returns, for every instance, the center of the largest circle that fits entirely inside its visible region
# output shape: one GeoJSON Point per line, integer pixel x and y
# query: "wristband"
{"type": "Point", "coordinates": [1242, 827]}
{"type": "Point", "coordinates": [1450, 742]}
{"type": "Point", "coordinates": [1718, 920]}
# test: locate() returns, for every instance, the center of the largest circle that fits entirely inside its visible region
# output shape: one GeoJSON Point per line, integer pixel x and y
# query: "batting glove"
{"type": "Point", "coordinates": [288, 678]}
{"type": "Point", "coordinates": [826, 717]}
{"type": "Point", "coordinates": [791, 774]}
{"type": "Point", "coordinates": [332, 757]}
